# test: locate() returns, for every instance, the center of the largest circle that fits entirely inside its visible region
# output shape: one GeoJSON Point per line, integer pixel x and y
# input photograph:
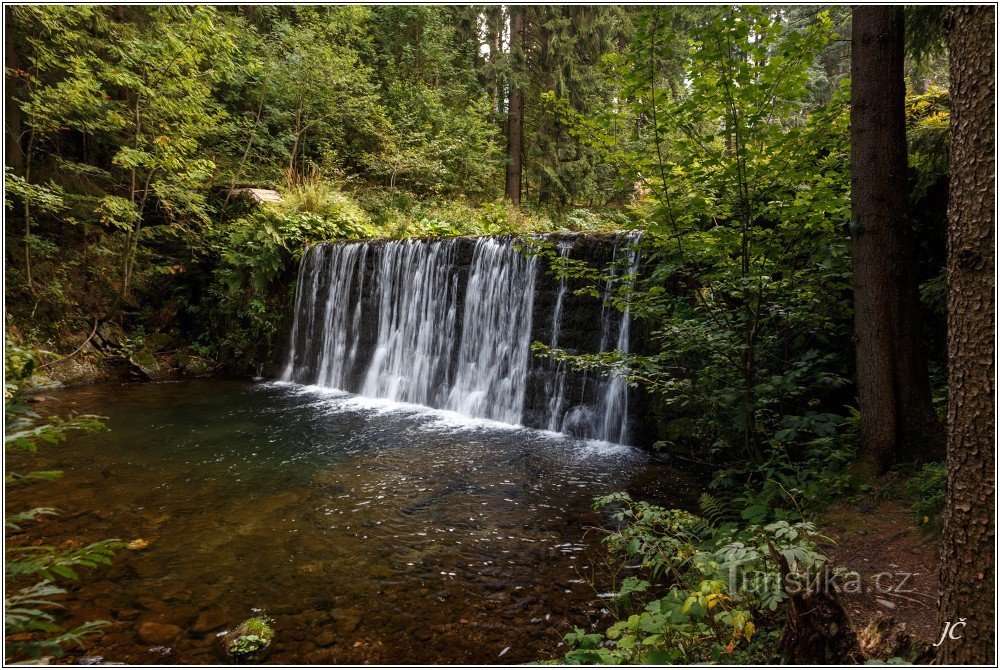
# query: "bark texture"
{"type": "Point", "coordinates": [898, 421]}
{"type": "Point", "coordinates": [968, 573]}
{"type": "Point", "coordinates": [515, 110]}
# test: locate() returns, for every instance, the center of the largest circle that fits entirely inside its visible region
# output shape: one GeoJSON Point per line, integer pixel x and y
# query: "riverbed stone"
{"type": "Point", "coordinates": [209, 620]}
{"type": "Point", "coordinates": [153, 632]}
{"type": "Point", "coordinates": [346, 621]}
{"type": "Point", "coordinates": [325, 638]}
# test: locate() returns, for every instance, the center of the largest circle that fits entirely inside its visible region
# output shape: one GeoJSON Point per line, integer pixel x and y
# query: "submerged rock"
{"type": "Point", "coordinates": [325, 638]}
{"type": "Point", "coordinates": [346, 621]}
{"type": "Point", "coordinates": [156, 633]}
{"type": "Point", "coordinates": [210, 620]}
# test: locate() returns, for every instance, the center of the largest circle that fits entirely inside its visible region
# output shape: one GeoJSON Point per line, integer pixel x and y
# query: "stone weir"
{"type": "Point", "coordinates": [449, 323]}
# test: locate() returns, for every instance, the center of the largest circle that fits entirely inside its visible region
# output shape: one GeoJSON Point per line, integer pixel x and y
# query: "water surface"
{"type": "Point", "coordinates": [369, 531]}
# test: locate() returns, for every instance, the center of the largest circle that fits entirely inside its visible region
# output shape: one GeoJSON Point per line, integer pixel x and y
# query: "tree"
{"type": "Point", "coordinates": [515, 109]}
{"type": "Point", "coordinates": [968, 574]}
{"type": "Point", "coordinates": [897, 417]}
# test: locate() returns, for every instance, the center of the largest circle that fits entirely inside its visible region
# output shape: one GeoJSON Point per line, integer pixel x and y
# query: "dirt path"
{"type": "Point", "coordinates": [896, 559]}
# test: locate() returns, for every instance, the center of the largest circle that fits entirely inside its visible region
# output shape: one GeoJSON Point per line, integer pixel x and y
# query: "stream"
{"type": "Point", "coordinates": [370, 531]}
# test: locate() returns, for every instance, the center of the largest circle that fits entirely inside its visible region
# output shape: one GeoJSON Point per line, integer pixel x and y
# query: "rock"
{"type": "Point", "coordinates": [209, 620]}
{"type": "Point", "coordinates": [183, 358]}
{"type": "Point", "coordinates": [146, 362]}
{"type": "Point", "coordinates": [177, 594]}
{"type": "Point", "coordinates": [325, 638]}
{"type": "Point", "coordinates": [153, 632]}
{"type": "Point", "coordinates": [44, 660]}
{"type": "Point", "coordinates": [321, 657]}
{"type": "Point", "coordinates": [250, 642]}
{"type": "Point", "coordinates": [346, 621]}
{"type": "Point", "coordinates": [199, 367]}
{"type": "Point", "coordinates": [176, 615]}
{"type": "Point", "coordinates": [110, 335]}
{"type": "Point", "coordinates": [91, 660]}
{"type": "Point", "coordinates": [159, 341]}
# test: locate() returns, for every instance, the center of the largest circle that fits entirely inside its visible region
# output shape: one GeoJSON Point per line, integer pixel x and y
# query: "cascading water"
{"type": "Point", "coordinates": [606, 417]}
{"type": "Point", "coordinates": [421, 352]}
{"type": "Point", "coordinates": [417, 293]}
{"type": "Point", "coordinates": [448, 324]}
{"type": "Point", "coordinates": [558, 369]}
{"type": "Point", "coordinates": [613, 417]}
{"type": "Point", "coordinates": [496, 333]}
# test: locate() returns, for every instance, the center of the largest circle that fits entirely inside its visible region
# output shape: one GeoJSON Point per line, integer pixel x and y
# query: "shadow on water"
{"type": "Point", "coordinates": [370, 531]}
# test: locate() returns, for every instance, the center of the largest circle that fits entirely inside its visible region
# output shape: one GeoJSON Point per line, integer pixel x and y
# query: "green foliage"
{"type": "Point", "coordinates": [703, 589]}
{"type": "Point", "coordinates": [252, 636]}
{"type": "Point", "coordinates": [928, 137]}
{"type": "Point", "coordinates": [928, 490]}
{"type": "Point", "coordinates": [259, 627]}
{"type": "Point", "coordinates": [749, 290]}
{"type": "Point", "coordinates": [246, 644]}
{"type": "Point", "coordinates": [31, 572]}
{"type": "Point", "coordinates": [242, 308]}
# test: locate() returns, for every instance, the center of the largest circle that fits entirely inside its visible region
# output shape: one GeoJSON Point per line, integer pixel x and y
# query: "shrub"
{"type": "Point", "coordinates": [32, 572]}
{"type": "Point", "coordinates": [928, 490]}
{"type": "Point", "coordinates": [702, 590]}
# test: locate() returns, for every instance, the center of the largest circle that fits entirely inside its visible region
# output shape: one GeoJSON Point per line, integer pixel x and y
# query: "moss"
{"type": "Point", "coordinates": [250, 641]}
{"type": "Point", "coordinates": [257, 626]}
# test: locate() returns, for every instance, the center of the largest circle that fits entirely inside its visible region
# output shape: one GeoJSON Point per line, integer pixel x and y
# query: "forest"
{"type": "Point", "coordinates": [467, 334]}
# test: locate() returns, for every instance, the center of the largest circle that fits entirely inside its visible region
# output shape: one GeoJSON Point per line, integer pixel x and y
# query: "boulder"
{"type": "Point", "coordinates": [153, 632]}
{"type": "Point", "coordinates": [147, 364]}
{"type": "Point", "coordinates": [346, 621]}
{"type": "Point", "coordinates": [199, 367]}
{"type": "Point", "coordinates": [182, 359]}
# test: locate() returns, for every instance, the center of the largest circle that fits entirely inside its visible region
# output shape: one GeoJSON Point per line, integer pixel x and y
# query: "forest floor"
{"type": "Point", "coordinates": [896, 558]}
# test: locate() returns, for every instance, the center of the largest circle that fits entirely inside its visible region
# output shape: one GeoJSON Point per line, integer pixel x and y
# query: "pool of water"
{"type": "Point", "coordinates": [369, 531]}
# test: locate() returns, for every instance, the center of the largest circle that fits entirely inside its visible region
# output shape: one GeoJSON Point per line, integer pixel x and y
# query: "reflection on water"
{"type": "Point", "coordinates": [370, 531]}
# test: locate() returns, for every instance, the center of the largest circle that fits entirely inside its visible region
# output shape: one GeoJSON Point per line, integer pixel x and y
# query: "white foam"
{"type": "Point", "coordinates": [445, 420]}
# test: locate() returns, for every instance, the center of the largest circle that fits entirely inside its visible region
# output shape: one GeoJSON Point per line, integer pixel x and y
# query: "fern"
{"type": "Point", "coordinates": [715, 510]}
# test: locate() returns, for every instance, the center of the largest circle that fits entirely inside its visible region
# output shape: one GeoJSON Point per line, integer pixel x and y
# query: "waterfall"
{"type": "Point", "coordinates": [432, 345]}
{"type": "Point", "coordinates": [558, 369]}
{"type": "Point", "coordinates": [606, 417]}
{"type": "Point", "coordinates": [613, 407]}
{"type": "Point", "coordinates": [496, 334]}
{"type": "Point", "coordinates": [417, 291]}
{"type": "Point", "coordinates": [448, 323]}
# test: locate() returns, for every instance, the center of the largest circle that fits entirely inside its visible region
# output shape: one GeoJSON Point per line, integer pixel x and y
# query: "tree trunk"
{"type": "Point", "coordinates": [515, 118]}
{"type": "Point", "coordinates": [13, 152]}
{"type": "Point", "coordinates": [968, 574]}
{"type": "Point", "coordinates": [817, 631]}
{"type": "Point", "coordinates": [897, 418]}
